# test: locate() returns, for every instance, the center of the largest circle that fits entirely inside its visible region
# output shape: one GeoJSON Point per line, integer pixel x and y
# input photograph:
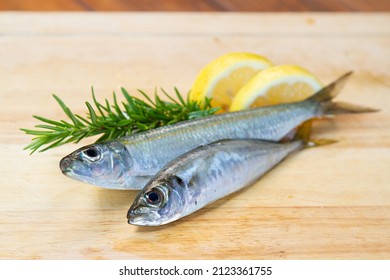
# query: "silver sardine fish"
{"type": "Point", "coordinates": [203, 176]}
{"type": "Point", "coordinates": [129, 162]}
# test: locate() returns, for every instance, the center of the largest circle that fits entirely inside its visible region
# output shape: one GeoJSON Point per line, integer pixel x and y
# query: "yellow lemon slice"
{"type": "Point", "coordinates": [275, 85]}
{"type": "Point", "coordinates": [223, 77]}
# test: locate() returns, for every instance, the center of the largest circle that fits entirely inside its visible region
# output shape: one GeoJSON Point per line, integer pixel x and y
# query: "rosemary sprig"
{"type": "Point", "coordinates": [114, 120]}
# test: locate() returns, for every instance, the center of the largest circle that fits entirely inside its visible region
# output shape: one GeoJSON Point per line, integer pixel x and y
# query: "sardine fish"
{"type": "Point", "coordinates": [129, 162]}
{"type": "Point", "coordinates": [203, 176]}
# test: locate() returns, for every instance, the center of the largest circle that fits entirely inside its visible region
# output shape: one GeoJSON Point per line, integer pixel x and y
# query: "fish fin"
{"type": "Point", "coordinates": [343, 107]}
{"type": "Point", "coordinates": [319, 142]}
{"type": "Point", "coordinates": [304, 131]}
{"type": "Point", "coordinates": [326, 94]}
{"type": "Point", "coordinates": [332, 90]}
{"type": "Point", "coordinates": [303, 134]}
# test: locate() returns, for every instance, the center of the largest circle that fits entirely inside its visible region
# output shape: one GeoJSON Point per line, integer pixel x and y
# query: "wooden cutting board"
{"type": "Point", "coordinates": [331, 202]}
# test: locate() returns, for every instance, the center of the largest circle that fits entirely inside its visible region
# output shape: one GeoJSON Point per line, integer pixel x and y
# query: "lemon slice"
{"type": "Point", "coordinates": [275, 85]}
{"type": "Point", "coordinates": [223, 77]}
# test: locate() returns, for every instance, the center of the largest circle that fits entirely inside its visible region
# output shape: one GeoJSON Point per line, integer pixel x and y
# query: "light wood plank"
{"type": "Point", "coordinates": [331, 202]}
{"type": "Point", "coordinates": [199, 5]}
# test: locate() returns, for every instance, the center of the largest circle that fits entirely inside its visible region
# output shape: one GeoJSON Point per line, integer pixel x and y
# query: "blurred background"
{"type": "Point", "coordinates": [199, 5]}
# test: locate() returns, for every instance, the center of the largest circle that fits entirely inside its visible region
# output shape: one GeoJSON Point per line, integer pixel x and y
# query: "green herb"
{"type": "Point", "coordinates": [115, 120]}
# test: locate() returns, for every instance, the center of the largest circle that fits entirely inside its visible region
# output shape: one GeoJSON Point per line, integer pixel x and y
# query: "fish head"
{"type": "Point", "coordinates": [160, 202]}
{"type": "Point", "coordinates": [104, 164]}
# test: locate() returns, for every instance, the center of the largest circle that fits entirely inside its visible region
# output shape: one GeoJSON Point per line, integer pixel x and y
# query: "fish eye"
{"type": "Point", "coordinates": [154, 197]}
{"type": "Point", "coordinates": [92, 153]}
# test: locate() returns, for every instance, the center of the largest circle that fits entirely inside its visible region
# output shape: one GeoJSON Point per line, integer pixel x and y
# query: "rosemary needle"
{"type": "Point", "coordinates": [113, 120]}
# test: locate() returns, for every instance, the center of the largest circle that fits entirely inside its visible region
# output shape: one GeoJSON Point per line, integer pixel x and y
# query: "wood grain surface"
{"type": "Point", "coordinates": [331, 202]}
{"type": "Point", "coordinates": [199, 5]}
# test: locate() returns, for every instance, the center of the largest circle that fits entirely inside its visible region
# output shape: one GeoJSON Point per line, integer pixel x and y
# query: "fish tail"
{"type": "Point", "coordinates": [325, 96]}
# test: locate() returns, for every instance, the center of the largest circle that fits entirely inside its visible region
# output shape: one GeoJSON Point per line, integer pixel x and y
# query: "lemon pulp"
{"type": "Point", "coordinates": [223, 77]}
{"type": "Point", "coordinates": [276, 85]}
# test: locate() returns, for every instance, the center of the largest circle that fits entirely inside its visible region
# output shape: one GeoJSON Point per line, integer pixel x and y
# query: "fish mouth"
{"type": "Point", "coordinates": [142, 217]}
{"type": "Point", "coordinates": [65, 164]}
{"type": "Point", "coordinates": [135, 218]}
{"type": "Point", "coordinates": [72, 169]}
